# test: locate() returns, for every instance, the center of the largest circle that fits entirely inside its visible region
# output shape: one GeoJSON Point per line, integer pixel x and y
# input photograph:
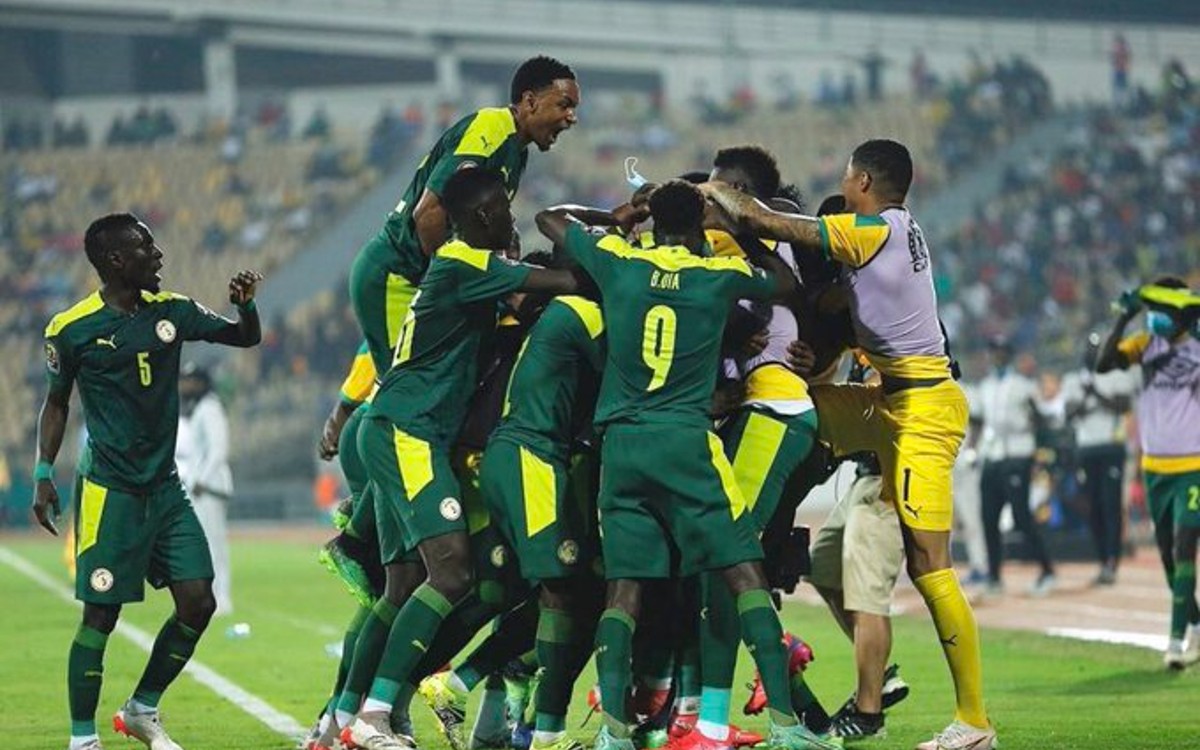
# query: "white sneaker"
{"type": "Point", "coordinates": [1177, 657]}
{"type": "Point", "coordinates": [145, 727]}
{"type": "Point", "coordinates": [1191, 644]}
{"type": "Point", "coordinates": [366, 736]}
{"type": "Point", "coordinates": [92, 744]}
{"type": "Point", "coordinates": [962, 736]}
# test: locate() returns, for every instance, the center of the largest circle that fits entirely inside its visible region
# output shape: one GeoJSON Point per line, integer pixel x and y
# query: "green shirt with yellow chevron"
{"type": "Point", "coordinates": [127, 369]}
{"type": "Point", "coordinates": [553, 384]}
{"type": "Point", "coordinates": [487, 138]}
{"type": "Point", "coordinates": [434, 370]}
{"type": "Point", "coordinates": [664, 314]}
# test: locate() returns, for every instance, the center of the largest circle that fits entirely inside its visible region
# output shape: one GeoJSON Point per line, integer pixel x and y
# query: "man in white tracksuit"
{"type": "Point", "coordinates": [202, 456]}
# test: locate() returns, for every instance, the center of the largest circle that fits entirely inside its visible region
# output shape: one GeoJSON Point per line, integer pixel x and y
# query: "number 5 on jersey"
{"type": "Point", "coordinates": [144, 375]}
{"type": "Point", "coordinates": [658, 344]}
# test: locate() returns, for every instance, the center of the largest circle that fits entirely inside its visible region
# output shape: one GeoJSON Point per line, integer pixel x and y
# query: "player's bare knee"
{"type": "Point", "coordinates": [743, 577]}
{"type": "Point", "coordinates": [101, 617]}
{"type": "Point", "coordinates": [625, 595]}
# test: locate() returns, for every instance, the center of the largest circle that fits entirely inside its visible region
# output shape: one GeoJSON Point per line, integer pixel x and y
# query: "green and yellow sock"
{"type": "Point", "coordinates": [1183, 593]}
{"type": "Point", "coordinates": [414, 630]}
{"type": "Point", "coordinates": [85, 675]}
{"type": "Point", "coordinates": [372, 638]}
{"type": "Point", "coordinates": [173, 648]}
{"type": "Point", "coordinates": [614, 648]}
{"type": "Point", "coordinates": [764, 638]}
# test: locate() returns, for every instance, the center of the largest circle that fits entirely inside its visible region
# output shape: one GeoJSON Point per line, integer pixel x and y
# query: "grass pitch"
{"type": "Point", "coordinates": [1042, 692]}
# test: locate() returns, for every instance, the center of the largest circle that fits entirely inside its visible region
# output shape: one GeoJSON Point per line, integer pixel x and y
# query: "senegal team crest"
{"type": "Point", "coordinates": [101, 580]}
{"type": "Point", "coordinates": [498, 556]}
{"type": "Point", "coordinates": [450, 509]}
{"type": "Point", "coordinates": [165, 330]}
{"type": "Point", "coordinates": [568, 552]}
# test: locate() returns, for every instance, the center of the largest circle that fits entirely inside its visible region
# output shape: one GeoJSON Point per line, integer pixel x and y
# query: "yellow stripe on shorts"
{"type": "Point", "coordinates": [414, 459]}
{"type": "Point", "coordinates": [537, 488]}
{"type": "Point", "coordinates": [396, 302]}
{"type": "Point", "coordinates": [756, 453]}
{"type": "Point", "coordinates": [737, 502]}
{"type": "Point", "coordinates": [91, 508]}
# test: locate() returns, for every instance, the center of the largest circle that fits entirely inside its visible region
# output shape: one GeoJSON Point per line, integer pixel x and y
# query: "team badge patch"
{"type": "Point", "coordinates": [499, 555]}
{"type": "Point", "coordinates": [165, 330]}
{"type": "Point", "coordinates": [52, 358]}
{"type": "Point", "coordinates": [101, 580]}
{"type": "Point", "coordinates": [450, 509]}
{"type": "Point", "coordinates": [568, 552]}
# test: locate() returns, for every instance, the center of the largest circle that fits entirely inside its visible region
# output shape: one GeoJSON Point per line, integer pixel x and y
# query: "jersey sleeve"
{"type": "Point", "coordinates": [361, 377]}
{"type": "Point", "coordinates": [482, 137]}
{"type": "Point", "coordinates": [196, 322]}
{"type": "Point", "coordinates": [1133, 347]}
{"type": "Point", "coordinates": [483, 275]}
{"type": "Point", "coordinates": [853, 239]}
{"type": "Point", "coordinates": [745, 281]}
{"type": "Point", "coordinates": [588, 249]}
{"type": "Point", "coordinates": [586, 327]}
{"type": "Point", "coordinates": [61, 363]}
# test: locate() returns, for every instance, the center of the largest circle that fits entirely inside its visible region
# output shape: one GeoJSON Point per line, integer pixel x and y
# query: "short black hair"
{"type": "Point", "coordinates": [792, 192]}
{"type": "Point", "coordinates": [537, 73]}
{"type": "Point", "coordinates": [1170, 282]}
{"type": "Point", "coordinates": [833, 204]}
{"type": "Point", "coordinates": [759, 165]}
{"type": "Point", "coordinates": [696, 177]}
{"type": "Point", "coordinates": [889, 164]}
{"type": "Point", "coordinates": [467, 189]}
{"type": "Point", "coordinates": [104, 234]}
{"type": "Point", "coordinates": [677, 208]}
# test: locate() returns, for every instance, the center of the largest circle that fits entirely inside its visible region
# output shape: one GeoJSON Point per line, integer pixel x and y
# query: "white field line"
{"type": "Point", "coordinates": [256, 707]}
{"type": "Point", "coordinates": [1122, 637]}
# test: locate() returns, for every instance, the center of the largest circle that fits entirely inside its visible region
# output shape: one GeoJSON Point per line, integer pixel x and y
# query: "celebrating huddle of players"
{"type": "Point", "coordinates": [588, 450]}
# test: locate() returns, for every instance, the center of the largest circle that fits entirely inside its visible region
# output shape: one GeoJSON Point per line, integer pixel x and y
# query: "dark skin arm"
{"type": "Point", "coordinates": [432, 222]}
{"type": "Point", "coordinates": [551, 281]}
{"type": "Point", "coordinates": [52, 426]}
{"type": "Point", "coordinates": [1110, 357]}
{"type": "Point", "coordinates": [331, 433]}
{"type": "Point", "coordinates": [247, 331]}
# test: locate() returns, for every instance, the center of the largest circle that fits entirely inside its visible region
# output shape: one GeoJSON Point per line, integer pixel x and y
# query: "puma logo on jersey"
{"type": "Point", "coordinates": [110, 342]}
{"type": "Point", "coordinates": [951, 641]}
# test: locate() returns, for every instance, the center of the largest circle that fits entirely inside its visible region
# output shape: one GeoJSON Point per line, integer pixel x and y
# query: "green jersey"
{"type": "Point", "coordinates": [127, 368]}
{"type": "Point", "coordinates": [487, 138]}
{"type": "Point", "coordinates": [547, 391]}
{"type": "Point", "coordinates": [664, 311]}
{"type": "Point", "coordinates": [434, 369]}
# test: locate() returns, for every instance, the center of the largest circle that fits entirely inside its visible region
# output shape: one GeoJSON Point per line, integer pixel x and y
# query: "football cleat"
{"type": "Point", "coordinates": [739, 737]}
{"type": "Point", "coordinates": [362, 735]}
{"type": "Point", "coordinates": [605, 741]}
{"type": "Point", "coordinates": [145, 727]}
{"type": "Point", "coordinates": [697, 740]}
{"type": "Point", "coordinates": [562, 743]}
{"type": "Point", "coordinates": [681, 724]}
{"type": "Point", "coordinates": [961, 736]}
{"type": "Point", "coordinates": [92, 744]}
{"type": "Point", "coordinates": [648, 737]}
{"type": "Point", "coordinates": [853, 725]}
{"type": "Point", "coordinates": [799, 737]}
{"type": "Point", "coordinates": [448, 705]}
{"type": "Point", "coordinates": [350, 571]}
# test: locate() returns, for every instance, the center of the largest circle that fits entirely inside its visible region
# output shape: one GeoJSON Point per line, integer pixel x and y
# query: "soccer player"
{"type": "Point", "coordinates": [1168, 414]}
{"type": "Point", "coordinates": [531, 478]}
{"type": "Point", "coordinates": [133, 519]}
{"type": "Point", "coordinates": [665, 479]}
{"type": "Point", "coordinates": [915, 420]}
{"type": "Point", "coordinates": [384, 277]}
{"type": "Point", "coordinates": [416, 416]}
{"type": "Point", "coordinates": [767, 436]}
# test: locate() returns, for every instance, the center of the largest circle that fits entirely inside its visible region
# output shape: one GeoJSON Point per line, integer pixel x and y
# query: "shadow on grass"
{"type": "Point", "coordinates": [1139, 681]}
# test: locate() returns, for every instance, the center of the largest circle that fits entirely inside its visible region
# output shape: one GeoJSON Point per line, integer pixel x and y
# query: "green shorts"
{"type": "Point", "coordinates": [123, 539]}
{"type": "Point", "coordinates": [1174, 498]}
{"type": "Point", "coordinates": [421, 492]}
{"type": "Point", "coordinates": [362, 519]}
{"type": "Point", "coordinates": [667, 494]}
{"type": "Point", "coordinates": [765, 448]}
{"type": "Point", "coordinates": [539, 511]}
{"type": "Point", "coordinates": [380, 299]}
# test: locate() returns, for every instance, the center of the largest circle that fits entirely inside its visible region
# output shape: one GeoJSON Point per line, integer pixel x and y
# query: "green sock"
{"type": "Point", "coordinates": [764, 638]}
{"type": "Point", "coordinates": [614, 645]}
{"type": "Point", "coordinates": [371, 640]}
{"type": "Point", "coordinates": [466, 619]}
{"type": "Point", "coordinates": [414, 630]}
{"type": "Point", "coordinates": [513, 636]}
{"type": "Point", "coordinates": [562, 651]}
{"type": "Point", "coordinates": [349, 640]}
{"type": "Point", "coordinates": [173, 647]}
{"type": "Point", "coordinates": [1183, 592]}
{"type": "Point", "coordinates": [85, 673]}
{"type": "Point", "coordinates": [720, 632]}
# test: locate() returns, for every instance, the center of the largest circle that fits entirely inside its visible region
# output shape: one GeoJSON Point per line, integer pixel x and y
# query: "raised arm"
{"type": "Point", "coordinates": [754, 217]}
{"type": "Point", "coordinates": [1111, 357]}
{"type": "Point", "coordinates": [52, 426]}
{"type": "Point", "coordinates": [247, 330]}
